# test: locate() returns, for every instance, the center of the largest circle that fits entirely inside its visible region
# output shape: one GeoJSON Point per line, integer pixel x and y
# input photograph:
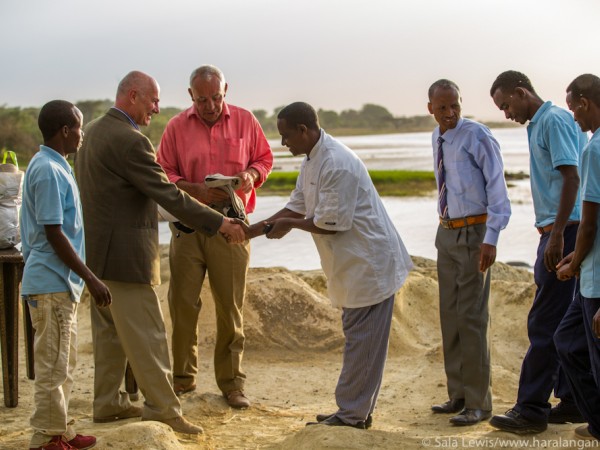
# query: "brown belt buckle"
{"type": "Point", "coordinates": [446, 224]}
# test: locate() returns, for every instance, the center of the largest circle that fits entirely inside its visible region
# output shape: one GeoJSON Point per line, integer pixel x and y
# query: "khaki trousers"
{"type": "Point", "coordinates": [132, 329]}
{"type": "Point", "coordinates": [54, 318]}
{"type": "Point", "coordinates": [191, 256]}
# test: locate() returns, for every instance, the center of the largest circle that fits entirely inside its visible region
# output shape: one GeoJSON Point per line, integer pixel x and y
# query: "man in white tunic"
{"type": "Point", "coordinates": [361, 253]}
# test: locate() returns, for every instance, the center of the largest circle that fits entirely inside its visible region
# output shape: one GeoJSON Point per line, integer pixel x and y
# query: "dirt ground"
{"type": "Point", "coordinates": [293, 358]}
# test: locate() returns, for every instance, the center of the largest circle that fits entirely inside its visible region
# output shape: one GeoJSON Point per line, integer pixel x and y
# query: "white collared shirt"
{"type": "Point", "coordinates": [365, 261]}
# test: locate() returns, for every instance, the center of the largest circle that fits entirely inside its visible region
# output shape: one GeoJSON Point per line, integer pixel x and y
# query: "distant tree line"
{"type": "Point", "coordinates": [370, 119]}
{"type": "Point", "coordinates": [19, 131]}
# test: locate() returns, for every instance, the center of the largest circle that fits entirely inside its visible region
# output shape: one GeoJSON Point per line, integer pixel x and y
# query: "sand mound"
{"type": "Point", "coordinates": [284, 311]}
{"type": "Point", "coordinates": [141, 436]}
{"type": "Point", "coordinates": [294, 343]}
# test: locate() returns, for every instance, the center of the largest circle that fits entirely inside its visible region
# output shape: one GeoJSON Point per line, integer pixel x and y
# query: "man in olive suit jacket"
{"type": "Point", "coordinates": [121, 184]}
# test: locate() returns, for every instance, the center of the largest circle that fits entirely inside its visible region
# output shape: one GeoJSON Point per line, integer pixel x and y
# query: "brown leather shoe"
{"type": "Point", "coordinates": [129, 413]}
{"type": "Point", "coordinates": [237, 399]}
{"type": "Point", "coordinates": [181, 389]}
{"type": "Point", "coordinates": [180, 425]}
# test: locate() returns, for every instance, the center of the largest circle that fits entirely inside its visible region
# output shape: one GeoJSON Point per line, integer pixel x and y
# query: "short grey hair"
{"type": "Point", "coordinates": [207, 71]}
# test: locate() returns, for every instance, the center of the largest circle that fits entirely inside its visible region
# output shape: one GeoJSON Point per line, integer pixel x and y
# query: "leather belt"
{"type": "Point", "coordinates": [548, 228]}
{"type": "Point", "coordinates": [451, 224]}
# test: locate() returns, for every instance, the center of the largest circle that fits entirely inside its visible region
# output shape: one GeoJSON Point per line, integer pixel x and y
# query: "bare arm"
{"type": "Point", "coordinates": [281, 223]}
{"type": "Point", "coordinates": [555, 246]}
{"type": "Point", "coordinates": [66, 253]}
{"type": "Point", "coordinates": [260, 228]}
{"type": "Point", "coordinates": [284, 225]}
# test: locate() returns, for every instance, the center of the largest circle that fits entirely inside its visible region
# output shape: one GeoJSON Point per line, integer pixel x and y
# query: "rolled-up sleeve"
{"type": "Point", "coordinates": [338, 193]}
{"type": "Point", "coordinates": [262, 156]}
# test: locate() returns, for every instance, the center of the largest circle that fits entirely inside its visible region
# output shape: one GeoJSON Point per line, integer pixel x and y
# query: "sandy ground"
{"type": "Point", "coordinates": [292, 361]}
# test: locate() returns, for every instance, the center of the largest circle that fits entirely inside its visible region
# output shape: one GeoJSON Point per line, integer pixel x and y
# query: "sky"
{"type": "Point", "coordinates": [333, 54]}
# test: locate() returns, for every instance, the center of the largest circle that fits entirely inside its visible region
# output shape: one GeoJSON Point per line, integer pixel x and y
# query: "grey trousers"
{"type": "Point", "coordinates": [464, 315]}
{"type": "Point", "coordinates": [132, 329]}
{"type": "Point", "coordinates": [367, 332]}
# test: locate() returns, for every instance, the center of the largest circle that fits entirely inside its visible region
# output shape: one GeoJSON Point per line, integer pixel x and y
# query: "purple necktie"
{"type": "Point", "coordinates": [442, 193]}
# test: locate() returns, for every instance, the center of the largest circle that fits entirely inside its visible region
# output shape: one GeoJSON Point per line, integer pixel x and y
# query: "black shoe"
{"type": "Point", "coordinates": [368, 422]}
{"type": "Point", "coordinates": [470, 416]}
{"type": "Point", "coordinates": [565, 413]}
{"type": "Point", "coordinates": [337, 422]}
{"type": "Point", "coordinates": [514, 422]}
{"type": "Point", "coordinates": [451, 406]}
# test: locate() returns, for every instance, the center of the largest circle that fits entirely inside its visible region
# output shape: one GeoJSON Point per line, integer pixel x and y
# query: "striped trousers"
{"type": "Point", "coordinates": [366, 332]}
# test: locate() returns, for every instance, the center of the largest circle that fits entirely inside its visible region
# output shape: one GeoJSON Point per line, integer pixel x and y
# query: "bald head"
{"type": "Point", "coordinates": [135, 80]}
{"type": "Point", "coordinates": [138, 96]}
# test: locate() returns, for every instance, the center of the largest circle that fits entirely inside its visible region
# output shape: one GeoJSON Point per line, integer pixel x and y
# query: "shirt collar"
{"type": "Point", "coordinates": [135, 125]}
{"type": "Point", "coordinates": [315, 150]}
{"type": "Point", "coordinates": [540, 112]}
{"type": "Point", "coordinates": [55, 156]}
{"type": "Point", "coordinates": [452, 132]}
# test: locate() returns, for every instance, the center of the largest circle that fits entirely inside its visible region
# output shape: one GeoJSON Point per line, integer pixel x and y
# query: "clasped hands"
{"type": "Point", "coordinates": [565, 271]}
{"type": "Point", "coordinates": [274, 229]}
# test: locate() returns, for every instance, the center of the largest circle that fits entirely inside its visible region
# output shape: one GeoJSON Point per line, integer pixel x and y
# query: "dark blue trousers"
{"type": "Point", "coordinates": [580, 358]}
{"type": "Point", "coordinates": [540, 372]}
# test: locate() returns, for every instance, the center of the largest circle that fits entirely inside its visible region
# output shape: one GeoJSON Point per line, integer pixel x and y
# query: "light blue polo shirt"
{"type": "Point", "coordinates": [50, 197]}
{"type": "Point", "coordinates": [590, 192]}
{"type": "Point", "coordinates": [554, 140]}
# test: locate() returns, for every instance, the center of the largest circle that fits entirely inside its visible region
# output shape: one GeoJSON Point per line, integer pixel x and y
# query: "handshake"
{"type": "Point", "coordinates": [236, 231]}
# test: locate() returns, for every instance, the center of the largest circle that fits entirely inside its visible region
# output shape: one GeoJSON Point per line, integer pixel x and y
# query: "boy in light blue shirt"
{"type": "Point", "coordinates": [54, 274]}
{"type": "Point", "coordinates": [581, 363]}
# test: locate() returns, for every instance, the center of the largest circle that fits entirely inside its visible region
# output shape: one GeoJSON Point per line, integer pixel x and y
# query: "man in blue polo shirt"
{"type": "Point", "coordinates": [555, 144]}
{"type": "Point", "coordinates": [54, 275]}
{"type": "Point", "coordinates": [582, 364]}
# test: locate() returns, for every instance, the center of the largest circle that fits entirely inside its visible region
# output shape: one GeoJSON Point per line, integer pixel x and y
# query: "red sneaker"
{"type": "Point", "coordinates": [82, 442]}
{"type": "Point", "coordinates": [56, 443]}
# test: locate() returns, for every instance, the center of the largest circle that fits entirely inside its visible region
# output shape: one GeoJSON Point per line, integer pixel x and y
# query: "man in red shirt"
{"type": "Point", "coordinates": [211, 137]}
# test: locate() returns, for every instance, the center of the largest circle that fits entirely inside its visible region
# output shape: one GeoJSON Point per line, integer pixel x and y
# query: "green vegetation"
{"type": "Point", "coordinates": [19, 131]}
{"type": "Point", "coordinates": [403, 183]}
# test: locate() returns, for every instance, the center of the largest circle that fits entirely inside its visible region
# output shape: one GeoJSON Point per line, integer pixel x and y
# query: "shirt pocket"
{"type": "Point", "coordinates": [236, 153]}
{"type": "Point", "coordinates": [460, 174]}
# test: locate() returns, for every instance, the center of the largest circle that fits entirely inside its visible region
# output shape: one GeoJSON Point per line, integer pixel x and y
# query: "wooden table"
{"type": "Point", "coordinates": [11, 271]}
